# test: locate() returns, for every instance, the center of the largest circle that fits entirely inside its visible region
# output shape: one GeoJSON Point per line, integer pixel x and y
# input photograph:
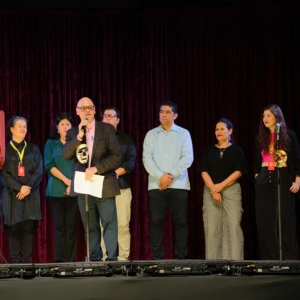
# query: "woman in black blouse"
{"type": "Point", "coordinates": [22, 173]}
{"type": "Point", "coordinates": [277, 157]}
{"type": "Point", "coordinates": [221, 166]}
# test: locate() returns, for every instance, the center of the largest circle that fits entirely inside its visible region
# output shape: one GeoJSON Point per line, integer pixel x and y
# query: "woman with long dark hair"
{"type": "Point", "coordinates": [277, 160]}
{"type": "Point", "coordinates": [64, 207]}
{"type": "Point", "coordinates": [221, 166]}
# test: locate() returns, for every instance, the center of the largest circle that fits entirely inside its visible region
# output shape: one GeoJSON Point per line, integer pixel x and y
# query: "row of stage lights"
{"type": "Point", "coordinates": [152, 268]}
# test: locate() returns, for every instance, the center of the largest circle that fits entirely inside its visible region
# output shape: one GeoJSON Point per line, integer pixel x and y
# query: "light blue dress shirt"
{"type": "Point", "coordinates": [168, 152]}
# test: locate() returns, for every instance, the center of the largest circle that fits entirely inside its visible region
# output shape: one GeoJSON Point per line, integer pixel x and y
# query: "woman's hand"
{"type": "Point", "coordinates": [25, 190]}
{"type": "Point", "coordinates": [218, 197]}
{"type": "Point", "coordinates": [212, 190]}
{"type": "Point", "coordinates": [67, 182]}
{"type": "Point", "coordinates": [295, 187]}
{"type": "Point", "coordinates": [20, 196]}
{"type": "Point", "coordinates": [68, 191]}
{"type": "Point", "coordinates": [216, 188]}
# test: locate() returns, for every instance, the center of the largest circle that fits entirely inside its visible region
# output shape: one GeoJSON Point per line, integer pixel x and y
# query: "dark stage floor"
{"type": "Point", "coordinates": [197, 279]}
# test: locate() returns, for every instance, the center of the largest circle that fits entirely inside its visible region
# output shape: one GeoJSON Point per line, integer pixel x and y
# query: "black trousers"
{"type": "Point", "coordinates": [65, 215]}
{"type": "Point", "coordinates": [20, 241]}
{"type": "Point", "coordinates": [159, 202]}
{"type": "Point", "coordinates": [266, 201]}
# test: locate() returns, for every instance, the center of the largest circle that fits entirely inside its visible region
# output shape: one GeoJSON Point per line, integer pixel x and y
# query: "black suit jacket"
{"type": "Point", "coordinates": [106, 156]}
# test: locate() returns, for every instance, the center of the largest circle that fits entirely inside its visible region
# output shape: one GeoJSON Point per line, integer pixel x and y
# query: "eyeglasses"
{"type": "Point", "coordinates": [109, 116]}
{"type": "Point", "coordinates": [86, 108]}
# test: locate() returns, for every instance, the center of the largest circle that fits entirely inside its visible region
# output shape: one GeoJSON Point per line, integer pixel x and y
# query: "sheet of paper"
{"type": "Point", "coordinates": [83, 186]}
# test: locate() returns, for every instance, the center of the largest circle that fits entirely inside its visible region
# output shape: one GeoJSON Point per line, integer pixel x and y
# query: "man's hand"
{"type": "Point", "coordinates": [165, 181]}
{"type": "Point", "coordinates": [89, 173]}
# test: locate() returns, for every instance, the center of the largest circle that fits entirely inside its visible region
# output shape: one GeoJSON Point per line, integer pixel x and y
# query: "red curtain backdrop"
{"type": "Point", "coordinates": [213, 61]}
{"type": "Point", "coordinates": [2, 138]}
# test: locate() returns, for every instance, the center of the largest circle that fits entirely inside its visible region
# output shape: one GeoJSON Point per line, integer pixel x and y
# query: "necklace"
{"type": "Point", "coordinates": [222, 152]}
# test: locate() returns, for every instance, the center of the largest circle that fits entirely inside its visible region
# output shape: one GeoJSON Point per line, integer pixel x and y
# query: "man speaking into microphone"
{"type": "Point", "coordinates": [104, 156]}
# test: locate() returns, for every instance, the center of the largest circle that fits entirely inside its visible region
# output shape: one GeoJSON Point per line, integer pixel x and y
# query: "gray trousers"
{"type": "Point", "coordinates": [224, 237]}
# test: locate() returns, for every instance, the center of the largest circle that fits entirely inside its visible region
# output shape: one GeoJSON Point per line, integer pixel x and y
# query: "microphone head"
{"type": "Point", "coordinates": [83, 128]}
{"type": "Point", "coordinates": [278, 126]}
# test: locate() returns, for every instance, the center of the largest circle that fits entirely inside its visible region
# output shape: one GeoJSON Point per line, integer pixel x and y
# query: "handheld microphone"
{"type": "Point", "coordinates": [83, 128]}
{"type": "Point", "coordinates": [278, 127]}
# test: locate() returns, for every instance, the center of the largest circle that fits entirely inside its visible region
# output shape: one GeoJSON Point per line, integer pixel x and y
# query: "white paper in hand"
{"type": "Point", "coordinates": [83, 186]}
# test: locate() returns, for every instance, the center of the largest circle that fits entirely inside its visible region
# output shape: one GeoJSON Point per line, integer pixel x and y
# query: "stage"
{"type": "Point", "coordinates": [209, 280]}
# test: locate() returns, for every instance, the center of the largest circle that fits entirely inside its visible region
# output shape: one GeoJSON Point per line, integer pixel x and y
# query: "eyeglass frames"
{"type": "Point", "coordinates": [86, 108]}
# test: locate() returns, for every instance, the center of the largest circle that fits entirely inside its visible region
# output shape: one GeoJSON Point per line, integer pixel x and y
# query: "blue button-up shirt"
{"type": "Point", "coordinates": [168, 152]}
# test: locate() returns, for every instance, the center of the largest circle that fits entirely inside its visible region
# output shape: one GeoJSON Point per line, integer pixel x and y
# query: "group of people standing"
{"type": "Point", "coordinates": [111, 153]}
{"type": "Point", "coordinates": [167, 155]}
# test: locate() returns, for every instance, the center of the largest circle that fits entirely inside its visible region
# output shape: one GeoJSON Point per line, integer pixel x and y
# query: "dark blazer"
{"type": "Point", "coordinates": [106, 156]}
{"type": "Point", "coordinates": [128, 151]}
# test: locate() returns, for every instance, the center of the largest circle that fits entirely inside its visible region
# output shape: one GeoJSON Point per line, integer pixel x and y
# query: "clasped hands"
{"type": "Point", "coordinates": [24, 191]}
{"type": "Point", "coordinates": [215, 192]}
{"type": "Point", "coordinates": [165, 181]}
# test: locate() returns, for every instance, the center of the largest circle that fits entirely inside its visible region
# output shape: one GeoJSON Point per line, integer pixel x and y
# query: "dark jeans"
{"type": "Point", "coordinates": [65, 215]}
{"type": "Point", "coordinates": [104, 209]}
{"type": "Point", "coordinates": [159, 202]}
{"type": "Point", "coordinates": [20, 241]}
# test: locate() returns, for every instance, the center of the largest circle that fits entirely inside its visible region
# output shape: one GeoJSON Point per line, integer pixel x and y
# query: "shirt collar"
{"type": "Point", "coordinates": [174, 128]}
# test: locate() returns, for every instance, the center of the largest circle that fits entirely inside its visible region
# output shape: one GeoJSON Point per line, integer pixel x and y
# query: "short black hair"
{"type": "Point", "coordinates": [173, 105]}
{"type": "Point", "coordinates": [111, 107]}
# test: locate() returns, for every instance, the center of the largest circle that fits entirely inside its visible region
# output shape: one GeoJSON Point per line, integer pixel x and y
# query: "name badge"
{"type": "Point", "coordinates": [21, 171]}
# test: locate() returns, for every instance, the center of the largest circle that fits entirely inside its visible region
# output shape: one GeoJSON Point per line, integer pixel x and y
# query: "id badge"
{"type": "Point", "coordinates": [21, 171]}
{"type": "Point", "coordinates": [271, 166]}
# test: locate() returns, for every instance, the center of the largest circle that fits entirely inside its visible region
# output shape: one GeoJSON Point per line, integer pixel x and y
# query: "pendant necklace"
{"type": "Point", "coordinates": [222, 152]}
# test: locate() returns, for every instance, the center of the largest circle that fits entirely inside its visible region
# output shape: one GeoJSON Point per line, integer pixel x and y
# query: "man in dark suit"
{"type": "Point", "coordinates": [104, 157]}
